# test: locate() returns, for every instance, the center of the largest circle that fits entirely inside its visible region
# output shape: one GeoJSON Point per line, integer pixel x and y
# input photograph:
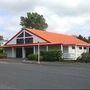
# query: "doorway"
{"type": "Point", "coordinates": [18, 52]}
{"type": "Point", "coordinates": [89, 50]}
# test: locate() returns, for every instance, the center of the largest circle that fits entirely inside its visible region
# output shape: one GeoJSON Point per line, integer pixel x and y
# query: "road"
{"type": "Point", "coordinates": [44, 76]}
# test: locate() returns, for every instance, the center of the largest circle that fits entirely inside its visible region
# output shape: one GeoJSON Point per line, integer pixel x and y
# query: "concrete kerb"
{"type": "Point", "coordinates": [24, 61]}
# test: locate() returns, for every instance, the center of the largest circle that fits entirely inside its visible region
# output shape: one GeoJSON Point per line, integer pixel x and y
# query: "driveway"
{"type": "Point", "coordinates": [44, 76]}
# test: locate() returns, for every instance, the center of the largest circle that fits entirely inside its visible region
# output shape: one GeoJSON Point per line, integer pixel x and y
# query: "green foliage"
{"type": "Point", "coordinates": [83, 38]}
{"type": "Point", "coordinates": [34, 20]}
{"type": "Point", "coordinates": [34, 57]}
{"type": "Point", "coordinates": [89, 39]}
{"type": "Point", "coordinates": [2, 54]}
{"type": "Point", "coordinates": [85, 57]}
{"type": "Point", "coordinates": [52, 55]}
{"type": "Point", "coordinates": [59, 55]}
{"type": "Point", "coordinates": [1, 51]}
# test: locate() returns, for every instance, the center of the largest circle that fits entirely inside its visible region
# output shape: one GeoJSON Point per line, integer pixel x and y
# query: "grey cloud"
{"type": "Point", "coordinates": [18, 6]}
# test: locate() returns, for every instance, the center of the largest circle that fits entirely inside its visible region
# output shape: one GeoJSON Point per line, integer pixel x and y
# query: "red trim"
{"type": "Point", "coordinates": [37, 35]}
{"type": "Point", "coordinates": [13, 37]}
{"type": "Point", "coordinates": [26, 45]}
{"type": "Point", "coordinates": [35, 44]}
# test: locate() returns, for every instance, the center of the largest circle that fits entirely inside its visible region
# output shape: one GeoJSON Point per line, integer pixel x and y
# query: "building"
{"type": "Point", "coordinates": [27, 40]}
{"type": "Point", "coordinates": [2, 41]}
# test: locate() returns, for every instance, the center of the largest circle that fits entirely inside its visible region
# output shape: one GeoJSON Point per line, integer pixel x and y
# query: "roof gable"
{"type": "Point", "coordinates": [50, 37]}
{"type": "Point", "coordinates": [20, 34]}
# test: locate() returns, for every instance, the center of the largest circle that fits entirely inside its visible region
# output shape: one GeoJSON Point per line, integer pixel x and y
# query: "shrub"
{"type": "Point", "coordinates": [2, 54]}
{"type": "Point", "coordinates": [85, 57]}
{"type": "Point", "coordinates": [34, 57]}
{"type": "Point", "coordinates": [1, 50]}
{"type": "Point", "coordinates": [51, 55]}
{"type": "Point", "coordinates": [59, 55]}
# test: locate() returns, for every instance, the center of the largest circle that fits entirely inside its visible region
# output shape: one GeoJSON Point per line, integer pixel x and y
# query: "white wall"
{"type": "Point", "coordinates": [12, 41]}
{"type": "Point", "coordinates": [9, 53]}
{"type": "Point", "coordinates": [77, 51]}
{"type": "Point", "coordinates": [70, 53]}
{"type": "Point", "coordinates": [65, 49]}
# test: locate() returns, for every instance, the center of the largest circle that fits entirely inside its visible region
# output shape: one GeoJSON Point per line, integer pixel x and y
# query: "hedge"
{"type": "Point", "coordinates": [52, 55]}
{"type": "Point", "coordinates": [33, 57]}
{"type": "Point", "coordinates": [2, 54]}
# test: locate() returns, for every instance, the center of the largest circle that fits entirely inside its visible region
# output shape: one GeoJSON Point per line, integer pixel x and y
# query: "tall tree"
{"type": "Point", "coordinates": [89, 39]}
{"type": "Point", "coordinates": [34, 20]}
{"type": "Point", "coordinates": [83, 38]}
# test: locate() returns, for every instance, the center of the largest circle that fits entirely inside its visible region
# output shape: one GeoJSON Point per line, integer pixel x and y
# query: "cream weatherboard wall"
{"type": "Point", "coordinates": [73, 52]}
{"type": "Point", "coordinates": [11, 52]}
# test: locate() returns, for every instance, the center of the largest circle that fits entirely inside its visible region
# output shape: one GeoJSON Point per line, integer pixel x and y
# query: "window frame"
{"type": "Point", "coordinates": [73, 47]}
{"type": "Point", "coordinates": [80, 48]}
{"type": "Point", "coordinates": [24, 38]}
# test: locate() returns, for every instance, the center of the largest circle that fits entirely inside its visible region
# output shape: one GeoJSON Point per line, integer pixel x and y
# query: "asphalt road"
{"type": "Point", "coordinates": [44, 76]}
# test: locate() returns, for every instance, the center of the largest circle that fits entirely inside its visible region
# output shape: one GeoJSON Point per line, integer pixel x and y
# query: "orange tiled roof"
{"type": "Point", "coordinates": [57, 38]}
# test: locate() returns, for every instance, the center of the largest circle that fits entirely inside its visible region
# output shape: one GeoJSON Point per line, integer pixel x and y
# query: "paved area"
{"type": "Point", "coordinates": [44, 76]}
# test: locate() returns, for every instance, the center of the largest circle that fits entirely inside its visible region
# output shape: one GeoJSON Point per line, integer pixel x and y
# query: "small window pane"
{"type": "Point", "coordinates": [20, 41]}
{"type": "Point", "coordinates": [28, 40]}
{"type": "Point", "coordinates": [27, 34]}
{"type": "Point", "coordinates": [85, 48]}
{"type": "Point", "coordinates": [80, 47]}
{"type": "Point", "coordinates": [21, 35]}
{"type": "Point", "coordinates": [73, 47]}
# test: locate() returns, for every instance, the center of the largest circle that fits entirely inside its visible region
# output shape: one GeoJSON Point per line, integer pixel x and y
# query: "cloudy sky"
{"type": "Point", "coordinates": [62, 16]}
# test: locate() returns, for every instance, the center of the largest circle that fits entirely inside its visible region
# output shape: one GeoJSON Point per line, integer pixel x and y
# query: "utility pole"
{"type": "Point", "coordinates": [38, 53]}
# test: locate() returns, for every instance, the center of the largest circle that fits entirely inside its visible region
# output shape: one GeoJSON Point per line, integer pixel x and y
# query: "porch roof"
{"type": "Point", "coordinates": [28, 45]}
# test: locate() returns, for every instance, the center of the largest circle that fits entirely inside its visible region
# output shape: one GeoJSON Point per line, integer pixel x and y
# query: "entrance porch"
{"type": "Point", "coordinates": [69, 52]}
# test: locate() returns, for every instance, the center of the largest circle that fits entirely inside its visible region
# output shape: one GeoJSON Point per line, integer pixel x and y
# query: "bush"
{"type": "Point", "coordinates": [51, 55]}
{"type": "Point", "coordinates": [1, 50]}
{"type": "Point", "coordinates": [85, 57]}
{"type": "Point", "coordinates": [34, 57]}
{"type": "Point", "coordinates": [2, 54]}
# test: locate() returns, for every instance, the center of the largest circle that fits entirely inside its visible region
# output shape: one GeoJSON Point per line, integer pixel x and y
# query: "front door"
{"type": "Point", "coordinates": [18, 52]}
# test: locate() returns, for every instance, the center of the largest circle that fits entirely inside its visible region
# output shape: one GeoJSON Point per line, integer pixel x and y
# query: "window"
{"type": "Point", "coordinates": [73, 47]}
{"type": "Point", "coordinates": [27, 34]}
{"type": "Point", "coordinates": [80, 48]}
{"type": "Point", "coordinates": [85, 48]}
{"type": "Point", "coordinates": [20, 41]}
{"type": "Point", "coordinates": [28, 40]}
{"type": "Point", "coordinates": [21, 35]}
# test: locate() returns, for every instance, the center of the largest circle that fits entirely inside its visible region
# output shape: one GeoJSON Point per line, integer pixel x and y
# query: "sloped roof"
{"type": "Point", "coordinates": [51, 38]}
{"type": "Point", "coordinates": [57, 38]}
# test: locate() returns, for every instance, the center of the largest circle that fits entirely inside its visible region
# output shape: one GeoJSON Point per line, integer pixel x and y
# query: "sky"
{"type": "Point", "coordinates": [63, 16]}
